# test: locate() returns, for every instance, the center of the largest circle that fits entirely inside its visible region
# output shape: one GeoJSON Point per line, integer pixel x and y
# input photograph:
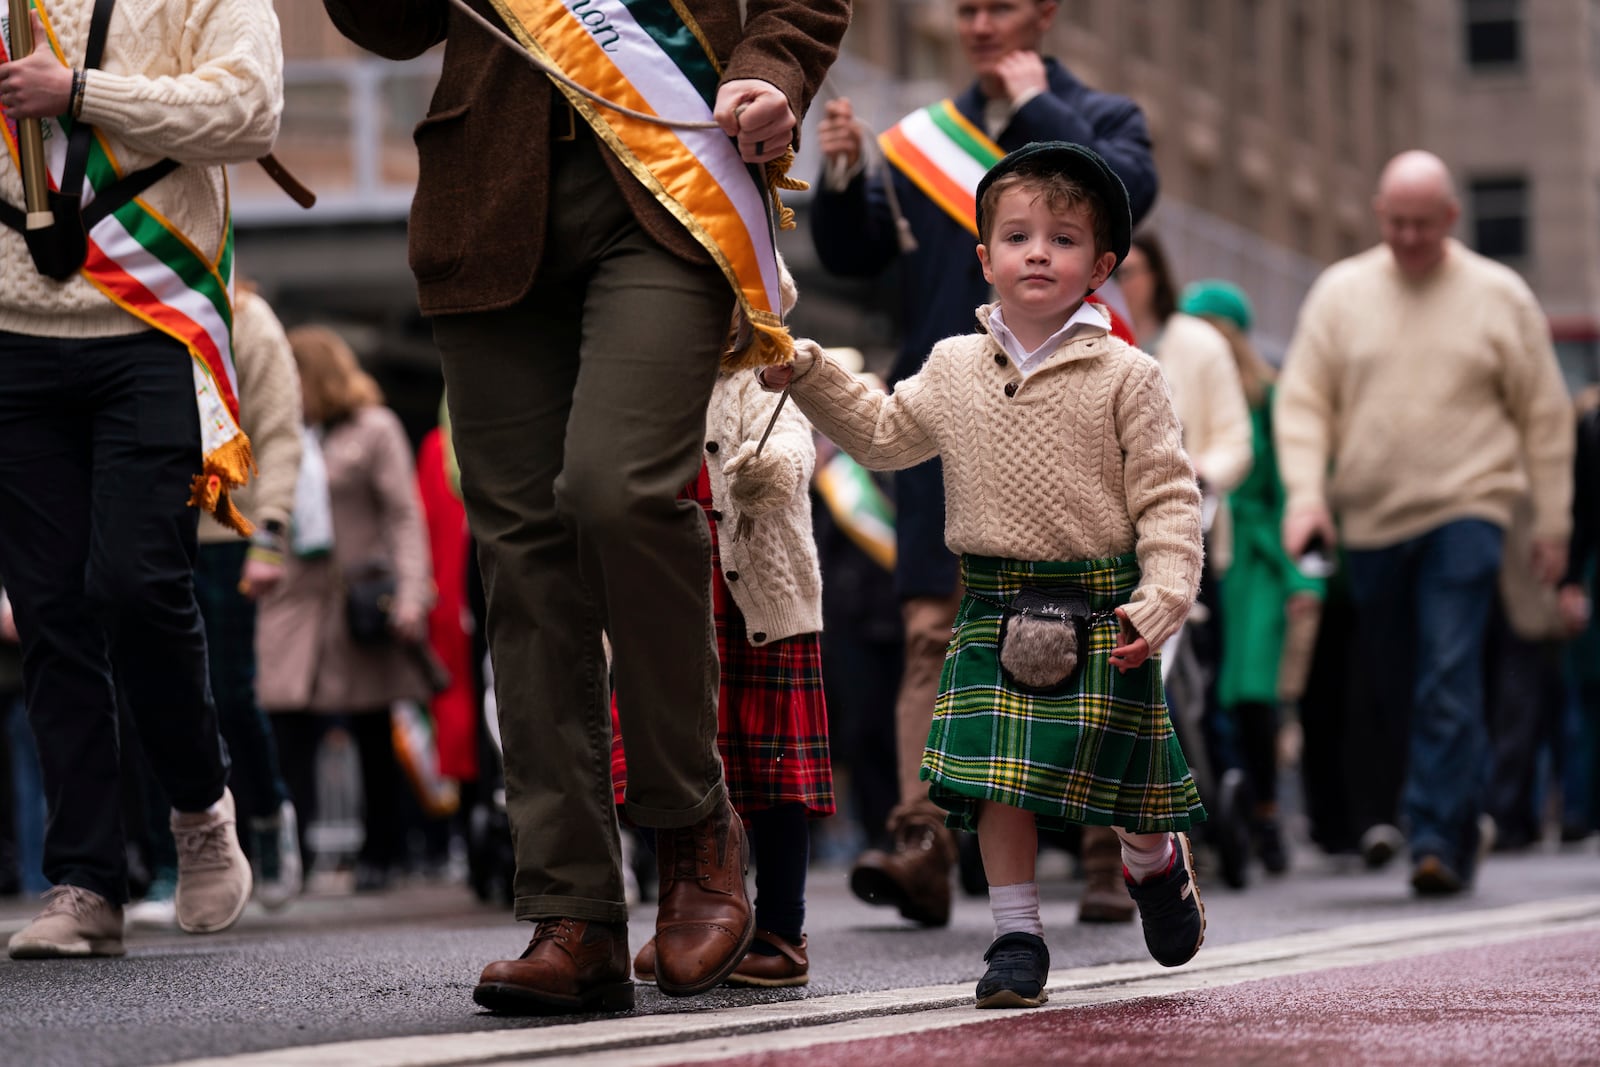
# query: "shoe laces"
{"type": "Point", "coordinates": [691, 853]}
{"type": "Point", "coordinates": [72, 900]}
{"type": "Point", "coordinates": [203, 848]}
{"type": "Point", "coordinates": [558, 930]}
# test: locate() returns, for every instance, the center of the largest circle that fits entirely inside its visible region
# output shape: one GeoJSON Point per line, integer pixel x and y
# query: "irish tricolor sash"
{"type": "Point", "coordinates": [859, 507]}
{"type": "Point", "coordinates": [147, 267]}
{"type": "Point", "coordinates": [650, 56]}
{"type": "Point", "coordinates": [944, 155]}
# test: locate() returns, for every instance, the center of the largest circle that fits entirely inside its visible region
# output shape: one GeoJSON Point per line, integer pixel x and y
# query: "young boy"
{"type": "Point", "coordinates": [1077, 516]}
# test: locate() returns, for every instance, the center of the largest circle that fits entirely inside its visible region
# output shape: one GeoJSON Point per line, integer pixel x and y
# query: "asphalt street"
{"type": "Point", "coordinates": [339, 968]}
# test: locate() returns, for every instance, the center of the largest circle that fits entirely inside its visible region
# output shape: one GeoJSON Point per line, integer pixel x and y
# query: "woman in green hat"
{"type": "Point", "coordinates": [1265, 590]}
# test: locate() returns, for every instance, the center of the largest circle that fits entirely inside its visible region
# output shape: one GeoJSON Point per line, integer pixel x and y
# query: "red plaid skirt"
{"type": "Point", "coordinates": [772, 722]}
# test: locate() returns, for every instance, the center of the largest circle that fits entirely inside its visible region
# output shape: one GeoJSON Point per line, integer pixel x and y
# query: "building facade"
{"type": "Point", "coordinates": [1511, 99]}
{"type": "Point", "coordinates": [1271, 121]}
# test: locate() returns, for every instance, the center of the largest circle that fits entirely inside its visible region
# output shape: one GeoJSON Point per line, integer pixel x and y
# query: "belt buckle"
{"type": "Point", "coordinates": [571, 132]}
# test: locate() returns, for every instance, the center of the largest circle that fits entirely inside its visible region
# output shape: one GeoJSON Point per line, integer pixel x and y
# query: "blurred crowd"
{"type": "Point", "coordinates": [355, 688]}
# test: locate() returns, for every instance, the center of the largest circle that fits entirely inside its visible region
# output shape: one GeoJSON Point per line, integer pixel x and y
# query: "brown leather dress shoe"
{"type": "Point", "coordinates": [704, 922]}
{"type": "Point", "coordinates": [571, 965]}
{"type": "Point", "coordinates": [788, 968]}
{"type": "Point", "coordinates": [915, 877]}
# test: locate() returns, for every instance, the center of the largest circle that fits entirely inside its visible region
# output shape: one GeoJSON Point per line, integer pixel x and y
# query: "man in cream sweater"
{"type": "Point", "coordinates": [1420, 399]}
{"type": "Point", "coordinates": [101, 438]}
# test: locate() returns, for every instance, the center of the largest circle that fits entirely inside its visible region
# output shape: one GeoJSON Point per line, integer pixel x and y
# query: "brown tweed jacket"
{"type": "Point", "coordinates": [478, 221]}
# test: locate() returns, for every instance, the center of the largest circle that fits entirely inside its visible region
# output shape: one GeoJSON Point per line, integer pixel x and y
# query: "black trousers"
{"type": "Point", "coordinates": [99, 438]}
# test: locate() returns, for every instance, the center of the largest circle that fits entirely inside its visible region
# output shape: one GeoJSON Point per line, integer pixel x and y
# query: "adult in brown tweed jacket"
{"type": "Point", "coordinates": [580, 328]}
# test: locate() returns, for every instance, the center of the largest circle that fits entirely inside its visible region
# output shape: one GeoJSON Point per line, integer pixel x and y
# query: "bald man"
{"type": "Point", "coordinates": [1420, 400]}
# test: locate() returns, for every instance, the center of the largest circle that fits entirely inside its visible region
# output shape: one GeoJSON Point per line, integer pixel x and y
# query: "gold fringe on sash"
{"type": "Point", "coordinates": [227, 468]}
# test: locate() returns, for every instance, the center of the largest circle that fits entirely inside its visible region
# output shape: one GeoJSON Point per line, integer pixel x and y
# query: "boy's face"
{"type": "Point", "coordinates": [1042, 263]}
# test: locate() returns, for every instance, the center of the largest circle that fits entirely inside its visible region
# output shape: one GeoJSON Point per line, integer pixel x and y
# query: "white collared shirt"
{"type": "Point", "coordinates": [1027, 362]}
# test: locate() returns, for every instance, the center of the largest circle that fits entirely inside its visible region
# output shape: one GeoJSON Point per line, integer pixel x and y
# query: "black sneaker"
{"type": "Point", "coordinates": [1018, 966]}
{"type": "Point", "coordinates": [1170, 908]}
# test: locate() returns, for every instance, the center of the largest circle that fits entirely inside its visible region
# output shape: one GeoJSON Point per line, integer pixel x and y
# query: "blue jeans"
{"type": "Point", "coordinates": [1422, 613]}
{"type": "Point", "coordinates": [28, 796]}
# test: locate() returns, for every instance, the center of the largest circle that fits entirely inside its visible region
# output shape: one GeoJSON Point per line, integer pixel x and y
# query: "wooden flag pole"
{"type": "Point", "coordinates": [30, 136]}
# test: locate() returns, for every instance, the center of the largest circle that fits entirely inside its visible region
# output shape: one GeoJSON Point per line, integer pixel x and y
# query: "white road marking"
{"type": "Point", "coordinates": [661, 1040]}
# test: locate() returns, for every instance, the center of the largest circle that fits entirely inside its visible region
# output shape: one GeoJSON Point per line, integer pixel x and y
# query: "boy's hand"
{"type": "Point", "coordinates": [1134, 649]}
{"type": "Point", "coordinates": [775, 379]}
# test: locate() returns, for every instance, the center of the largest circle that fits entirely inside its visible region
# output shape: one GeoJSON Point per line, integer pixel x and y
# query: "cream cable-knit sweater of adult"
{"type": "Point", "coordinates": [1434, 401]}
{"type": "Point", "coordinates": [1083, 459]}
{"type": "Point", "coordinates": [773, 574]}
{"type": "Point", "coordinates": [1209, 399]}
{"type": "Point", "coordinates": [198, 81]}
{"type": "Point", "coordinates": [269, 414]}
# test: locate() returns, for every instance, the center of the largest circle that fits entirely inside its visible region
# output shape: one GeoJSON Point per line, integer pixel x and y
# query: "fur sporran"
{"type": "Point", "coordinates": [1044, 637]}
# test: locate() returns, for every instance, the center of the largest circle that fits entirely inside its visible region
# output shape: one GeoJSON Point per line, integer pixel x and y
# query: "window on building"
{"type": "Point", "coordinates": [1249, 28]}
{"type": "Point", "coordinates": [1500, 217]}
{"type": "Point", "coordinates": [1344, 91]}
{"type": "Point", "coordinates": [1141, 30]}
{"type": "Point", "coordinates": [1493, 33]}
{"type": "Point", "coordinates": [1296, 60]}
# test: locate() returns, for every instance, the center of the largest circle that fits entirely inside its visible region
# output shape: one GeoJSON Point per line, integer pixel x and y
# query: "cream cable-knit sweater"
{"type": "Point", "coordinates": [1433, 401]}
{"type": "Point", "coordinates": [774, 574]}
{"type": "Point", "coordinates": [199, 81]}
{"type": "Point", "coordinates": [269, 414]}
{"type": "Point", "coordinates": [1083, 459]}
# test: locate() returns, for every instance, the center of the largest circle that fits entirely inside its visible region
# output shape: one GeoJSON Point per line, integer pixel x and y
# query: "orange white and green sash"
{"type": "Point", "coordinates": [651, 56]}
{"type": "Point", "coordinates": [149, 268]}
{"type": "Point", "coordinates": [944, 155]}
{"type": "Point", "coordinates": [859, 507]}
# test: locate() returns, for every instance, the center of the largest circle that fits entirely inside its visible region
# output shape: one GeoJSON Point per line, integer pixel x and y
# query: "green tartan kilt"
{"type": "Point", "coordinates": [1100, 751]}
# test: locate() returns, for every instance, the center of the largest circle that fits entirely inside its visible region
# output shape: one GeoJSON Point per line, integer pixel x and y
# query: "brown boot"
{"type": "Point", "coordinates": [1105, 894]}
{"type": "Point", "coordinates": [704, 922]}
{"type": "Point", "coordinates": [915, 877]}
{"type": "Point", "coordinates": [571, 965]}
{"type": "Point", "coordinates": [644, 964]}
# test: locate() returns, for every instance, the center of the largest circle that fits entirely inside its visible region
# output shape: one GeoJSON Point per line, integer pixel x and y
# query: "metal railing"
{"type": "Point", "coordinates": [346, 133]}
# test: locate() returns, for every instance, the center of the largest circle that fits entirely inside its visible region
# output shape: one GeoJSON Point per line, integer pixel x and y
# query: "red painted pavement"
{"type": "Point", "coordinates": [1534, 1003]}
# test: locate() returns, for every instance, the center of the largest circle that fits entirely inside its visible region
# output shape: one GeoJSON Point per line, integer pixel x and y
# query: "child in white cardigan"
{"type": "Point", "coordinates": [1077, 515]}
{"type": "Point", "coordinates": [772, 720]}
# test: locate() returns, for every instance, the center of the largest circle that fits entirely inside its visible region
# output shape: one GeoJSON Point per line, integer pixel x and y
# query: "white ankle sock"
{"type": "Point", "coordinates": [1143, 858]}
{"type": "Point", "coordinates": [1016, 909]}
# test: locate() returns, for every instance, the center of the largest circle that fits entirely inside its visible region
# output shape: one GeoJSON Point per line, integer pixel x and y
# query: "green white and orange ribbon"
{"type": "Point", "coordinates": [148, 267]}
{"type": "Point", "coordinates": [650, 56]}
{"type": "Point", "coordinates": [944, 155]}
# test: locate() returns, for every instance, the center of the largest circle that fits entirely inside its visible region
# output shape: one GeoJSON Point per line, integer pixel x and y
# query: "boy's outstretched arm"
{"type": "Point", "coordinates": [1163, 501]}
{"type": "Point", "coordinates": [880, 431]}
